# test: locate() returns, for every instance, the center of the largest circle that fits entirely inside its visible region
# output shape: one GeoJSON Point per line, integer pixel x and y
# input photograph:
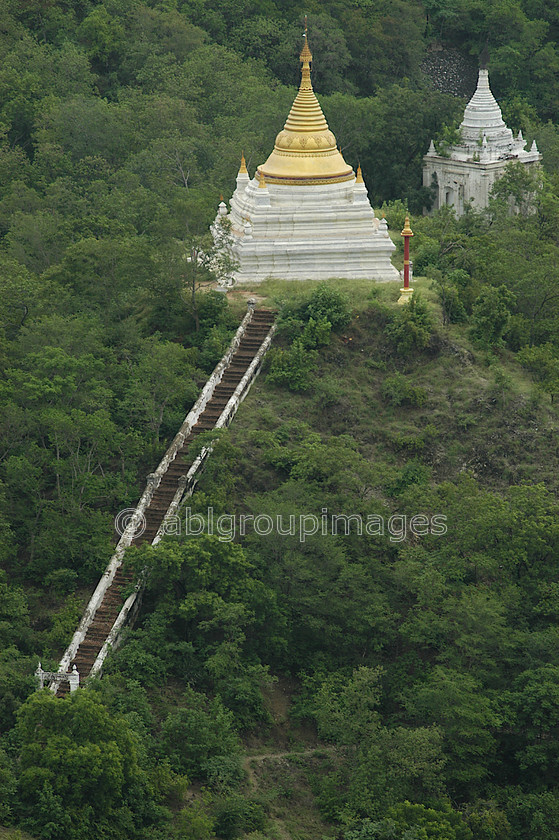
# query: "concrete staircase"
{"type": "Point", "coordinates": [257, 330]}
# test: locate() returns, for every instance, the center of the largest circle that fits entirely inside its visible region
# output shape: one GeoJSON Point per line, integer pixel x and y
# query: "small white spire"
{"type": "Point", "coordinates": [432, 151]}
{"type": "Point", "coordinates": [243, 177]}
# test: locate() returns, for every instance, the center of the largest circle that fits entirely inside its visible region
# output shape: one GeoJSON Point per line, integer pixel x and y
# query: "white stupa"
{"type": "Point", "coordinates": [306, 214]}
{"type": "Point", "coordinates": [486, 147]}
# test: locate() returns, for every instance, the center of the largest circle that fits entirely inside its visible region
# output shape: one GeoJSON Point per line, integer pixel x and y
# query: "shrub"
{"type": "Point", "coordinates": [64, 622]}
{"type": "Point", "coordinates": [238, 815]}
{"type": "Point", "coordinates": [290, 326]}
{"type": "Point", "coordinates": [293, 367]}
{"type": "Point", "coordinates": [414, 472]}
{"type": "Point", "coordinates": [316, 333]}
{"type": "Point", "coordinates": [448, 294]}
{"type": "Point", "coordinates": [223, 771]}
{"type": "Point", "coordinates": [491, 315]}
{"type": "Point", "coordinates": [427, 254]}
{"type": "Point", "coordinates": [412, 327]}
{"type": "Point", "coordinates": [328, 304]}
{"type": "Point", "coordinates": [543, 364]}
{"type": "Point", "coordinates": [395, 213]}
{"type": "Point", "coordinates": [213, 347]}
{"type": "Point", "coordinates": [192, 823]}
{"type": "Point", "coordinates": [62, 581]}
{"type": "Point", "coordinates": [398, 390]}
{"type": "Point", "coordinates": [191, 736]}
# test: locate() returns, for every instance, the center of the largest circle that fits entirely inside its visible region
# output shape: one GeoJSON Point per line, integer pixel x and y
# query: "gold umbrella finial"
{"type": "Point", "coordinates": [306, 54]}
{"type": "Point", "coordinates": [407, 231]}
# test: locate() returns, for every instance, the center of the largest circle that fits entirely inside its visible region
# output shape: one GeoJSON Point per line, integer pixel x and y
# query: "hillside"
{"type": "Point", "coordinates": [401, 683]}
{"type": "Point", "coordinates": [309, 628]}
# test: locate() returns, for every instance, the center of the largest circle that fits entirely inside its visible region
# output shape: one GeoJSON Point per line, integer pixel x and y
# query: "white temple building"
{"type": "Point", "coordinates": [486, 146]}
{"type": "Point", "coordinates": [306, 214]}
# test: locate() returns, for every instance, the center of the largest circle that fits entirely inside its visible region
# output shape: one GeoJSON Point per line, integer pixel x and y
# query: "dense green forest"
{"type": "Point", "coordinates": [388, 686]}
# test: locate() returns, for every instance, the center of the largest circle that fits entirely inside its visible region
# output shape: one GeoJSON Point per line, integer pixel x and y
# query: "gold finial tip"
{"type": "Point", "coordinates": [306, 54]}
{"type": "Point", "coordinates": [359, 176]}
{"type": "Point", "coordinates": [221, 197]}
{"type": "Point", "coordinates": [243, 166]}
{"type": "Point", "coordinates": [407, 231]}
{"type": "Point", "coordinates": [262, 184]}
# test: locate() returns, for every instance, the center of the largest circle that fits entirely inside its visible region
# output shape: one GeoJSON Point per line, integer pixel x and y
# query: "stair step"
{"type": "Point", "coordinates": [249, 345]}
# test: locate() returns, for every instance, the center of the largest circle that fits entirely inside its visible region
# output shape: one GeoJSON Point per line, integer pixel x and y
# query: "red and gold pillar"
{"type": "Point", "coordinates": [407, 291]}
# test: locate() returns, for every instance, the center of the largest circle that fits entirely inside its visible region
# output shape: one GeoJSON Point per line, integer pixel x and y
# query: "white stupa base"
{"type": "Point", "coordinates": [314, 260]}
{"type": "Point", "coordinates": [308, 232]}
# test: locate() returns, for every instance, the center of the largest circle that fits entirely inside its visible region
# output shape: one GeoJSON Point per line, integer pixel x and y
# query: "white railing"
{"type": "Point", "coordinates": [186, 486]}
{"type": "Point", "coordinates": [153, 482]}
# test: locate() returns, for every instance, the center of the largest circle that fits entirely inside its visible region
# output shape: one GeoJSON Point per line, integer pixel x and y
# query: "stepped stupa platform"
{"type": "Point", "coordinates": [305, 214]}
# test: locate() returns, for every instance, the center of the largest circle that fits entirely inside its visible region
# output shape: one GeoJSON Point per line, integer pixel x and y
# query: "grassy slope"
{"type": "Point", "coordinates": [485, 418]}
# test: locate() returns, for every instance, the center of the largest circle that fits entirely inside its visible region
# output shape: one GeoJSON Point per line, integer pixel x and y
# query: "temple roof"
{"type": "Point", "coordinates": [483, 117]}
{"type": "Point", "coordinates": [305, 150]}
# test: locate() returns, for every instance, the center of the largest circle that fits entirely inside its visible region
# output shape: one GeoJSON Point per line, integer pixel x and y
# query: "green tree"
{"type": "Point", "coordinates": [79, 768]}
{"type": "Point", "coordinates": [535, 705]}
{"type": "Point", "coordinates": [491, 316]}
{"type": "Point", "coordinates": [163, 380]}
{"type": "Point", "coordinates": [386, 764]}
{"type": "Point", "coordinates": [543, 364]}
{"type": "Point", "coordinates": [467, 717]}
{"type": "Point", "coordinates": [412, 328]}
{"type": "Point", "coordinates": [193, 735]}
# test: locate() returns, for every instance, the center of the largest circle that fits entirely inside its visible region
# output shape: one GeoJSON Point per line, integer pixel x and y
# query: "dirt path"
{"type": "Point", "coordinates": [249, 759]}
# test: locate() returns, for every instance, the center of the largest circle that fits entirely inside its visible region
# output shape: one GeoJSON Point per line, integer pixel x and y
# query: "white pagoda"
{"type": "Point", "coordinates": [306, 214]}
{"type": "Point", "coordinates": [486, 146]}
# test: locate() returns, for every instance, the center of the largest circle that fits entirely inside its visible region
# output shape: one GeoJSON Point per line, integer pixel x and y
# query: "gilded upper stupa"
{"type": "Point", "coordinates": [305, 151]}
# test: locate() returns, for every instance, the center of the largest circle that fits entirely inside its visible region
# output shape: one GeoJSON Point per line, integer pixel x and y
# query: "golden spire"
{"type": "Point", "coordinates": [305, 56]}
{"type": "Point", "coordinates": [243, 167]}
{"type": "Point", "coordinates": [305, 151]}
{"type": "Point", "coordinates": [359, 176]}
{"type": "Point", "coordinates": [262, 184]}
